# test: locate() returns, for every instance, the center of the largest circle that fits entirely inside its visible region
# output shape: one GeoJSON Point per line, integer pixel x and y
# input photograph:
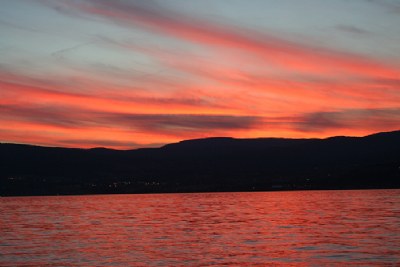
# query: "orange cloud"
{"type": "Point", "coordinates": [41, 112]}
{"type": "Point", "coordinates": [247, 84]}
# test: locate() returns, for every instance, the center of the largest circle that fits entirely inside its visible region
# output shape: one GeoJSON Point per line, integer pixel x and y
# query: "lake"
{"type": "Point", "coordinates": [298, 228]}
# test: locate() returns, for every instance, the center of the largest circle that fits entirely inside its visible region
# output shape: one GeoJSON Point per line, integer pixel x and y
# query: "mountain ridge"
{"type": "Point", "coordinates": [199, 165]}
{"type": "Point", "coordinates": [207, 138]}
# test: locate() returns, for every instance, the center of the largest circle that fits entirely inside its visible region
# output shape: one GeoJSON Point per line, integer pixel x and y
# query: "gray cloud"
{"type": "Point", "coordinates": [16, 26]}
{"type": "Point", "coordinates": [60, 53]}
{"type": "Point", "coordinates": [391, 6]}
{"type": "Point", "coordinates": [48, 115]}
{"type": "Point", "coordinates": [351, 29]}
{"type": "Point", "coordinates": [184, 122]}
{"type": "Point", "coordinates": [160, 123]}
{"type": "Point", "coordinates": [385, 118]}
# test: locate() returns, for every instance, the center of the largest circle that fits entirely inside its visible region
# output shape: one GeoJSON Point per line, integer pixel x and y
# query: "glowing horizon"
{"type": "Point", "coordinates": [129, 74]}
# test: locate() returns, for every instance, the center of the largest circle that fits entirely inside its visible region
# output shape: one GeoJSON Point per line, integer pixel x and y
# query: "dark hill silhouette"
{"type": "Point", "coordinates": [211, 164]}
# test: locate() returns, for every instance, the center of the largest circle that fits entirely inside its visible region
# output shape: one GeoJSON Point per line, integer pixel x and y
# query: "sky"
{"type": "Point", "coordinates": [128, 74]}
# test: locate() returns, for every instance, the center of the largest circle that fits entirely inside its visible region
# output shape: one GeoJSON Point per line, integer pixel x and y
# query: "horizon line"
{"type": "Point", "coordinates": [194, 139]}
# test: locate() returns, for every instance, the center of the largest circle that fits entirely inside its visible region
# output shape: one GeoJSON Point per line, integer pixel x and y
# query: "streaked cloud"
{"type": "Point", "coordinates": [275, 50]}
{"type": "Point", "coordinates": [351, 119]}
{"type": "Point", "coordinates": [351, 29]}
{"type": "Point", "coordinates": [133, 73]}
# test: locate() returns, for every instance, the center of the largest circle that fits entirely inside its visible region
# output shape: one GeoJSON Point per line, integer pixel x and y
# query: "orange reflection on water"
{"type": "Point", "coordinates": [317, 228]}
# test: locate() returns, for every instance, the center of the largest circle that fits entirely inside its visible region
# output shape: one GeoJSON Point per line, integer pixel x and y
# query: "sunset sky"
{"type": "Point", "coordinates": [128, 74]}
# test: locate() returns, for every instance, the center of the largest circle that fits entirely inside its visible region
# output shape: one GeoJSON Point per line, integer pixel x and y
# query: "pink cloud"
{"type": "Point", "coordinates": [274, 50]}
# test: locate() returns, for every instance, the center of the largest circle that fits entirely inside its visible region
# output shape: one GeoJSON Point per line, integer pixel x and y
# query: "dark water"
{"type": "Point", "coordinates": [304, 228]}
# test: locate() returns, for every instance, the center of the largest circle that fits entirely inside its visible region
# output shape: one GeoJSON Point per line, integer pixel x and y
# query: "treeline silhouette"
{"type": "Point", "coordinates": [204, 165]}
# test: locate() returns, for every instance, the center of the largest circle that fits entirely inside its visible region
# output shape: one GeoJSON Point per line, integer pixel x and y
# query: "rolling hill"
{"type": "Point", "coordinates": [201, 165]}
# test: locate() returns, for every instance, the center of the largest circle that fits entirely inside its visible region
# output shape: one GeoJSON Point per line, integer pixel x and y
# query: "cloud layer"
{"type": "Point", "coordinates": [141, 73]}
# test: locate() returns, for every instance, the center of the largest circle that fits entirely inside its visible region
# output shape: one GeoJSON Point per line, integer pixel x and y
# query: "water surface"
{"type": "Point", "coordinates": [302, 228]}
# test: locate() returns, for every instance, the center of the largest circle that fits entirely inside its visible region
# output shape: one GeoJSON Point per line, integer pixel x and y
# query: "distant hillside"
{"type": "Point", "coordinates": [212, 164]}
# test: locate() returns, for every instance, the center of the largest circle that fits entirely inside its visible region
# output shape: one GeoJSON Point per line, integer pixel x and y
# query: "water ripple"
{"type": "Point", "coordinates": [309, 228]}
